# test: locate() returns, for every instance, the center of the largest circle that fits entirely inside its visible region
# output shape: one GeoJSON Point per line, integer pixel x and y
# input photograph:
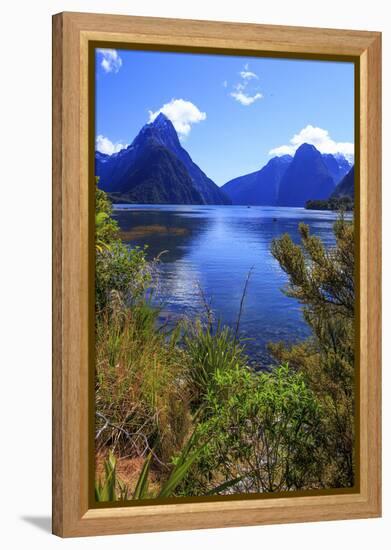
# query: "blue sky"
{"type": "Point", "coordinates": [232, 113]}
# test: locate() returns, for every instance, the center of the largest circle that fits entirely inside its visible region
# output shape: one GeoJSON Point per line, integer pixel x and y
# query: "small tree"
{"type": "Point", "coordinates": [323, 281]}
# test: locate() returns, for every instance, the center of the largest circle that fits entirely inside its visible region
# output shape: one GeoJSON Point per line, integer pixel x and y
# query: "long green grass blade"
{"type": "Point", "coordinates": [225, 485]}
{"type": "Point", "coordinates": [178, 473]}
{"type": "Point", "coordinates": [142, 482]}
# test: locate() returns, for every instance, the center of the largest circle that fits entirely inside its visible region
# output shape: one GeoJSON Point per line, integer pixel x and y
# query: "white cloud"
{"type": "Point", "coordinates": [110, 60]}
{"type": "Point", "coordinates": [241, 92]}
{"type": "Point", "coordinates": [246, 99]}
{"type": "Point", "coordinates": [318, 137]}
{"type": "Point", "coordinates": [182, 114]}
{"type": "Point", "coordinates": [247, 74]}
{"type": "Point", "coordinates": [104, 145]}
{"type": "Point", "coordinates": [225, 83]}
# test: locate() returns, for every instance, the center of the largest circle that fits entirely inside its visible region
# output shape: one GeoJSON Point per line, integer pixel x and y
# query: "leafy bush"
{"type": "Point", "coordinates": [323, 281]}
{"type": "Point", "coordinates": [119, 269]}
{"type": "Point", "coordinates": [261, 429]}
{"type": "Point", "coordinates": [105, 227]}
{"type": "Point", "coordinates": [122, 271]}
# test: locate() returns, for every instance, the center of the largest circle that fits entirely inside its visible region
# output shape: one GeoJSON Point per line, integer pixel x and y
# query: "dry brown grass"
{"type": "Point", "coordinates": [142, 399]}
{"type": "Point", "coordinates": [128, 470]}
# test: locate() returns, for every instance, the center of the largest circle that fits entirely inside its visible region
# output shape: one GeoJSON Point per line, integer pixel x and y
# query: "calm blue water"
{"type": "Point", "coordinates": [213, 248]}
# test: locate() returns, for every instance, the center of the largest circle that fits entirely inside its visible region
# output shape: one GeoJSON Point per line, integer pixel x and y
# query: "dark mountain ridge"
{"type": "Point", "coordinates": [259, 188]}
{"type": "Point", "coordinates": [345, 188]}
{"type": "Point", "coordinates": [307, 177]}
{"type": "Point", "coordinates": [290, 181]}
{"type": "Point", "coordinates": [337, 165]}
{"type": "Point", "coordinates": [156, 162]}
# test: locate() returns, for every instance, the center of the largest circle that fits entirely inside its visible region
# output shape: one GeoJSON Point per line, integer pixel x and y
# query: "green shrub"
{"type": "Point", "coordinates": [323, 281]}
{"type": "Point", "coordinates": [119, 270]}
{"type": "Point", "coordinates": [261, 428]}
{"type": "Point", "coordinates": [208, 352]}
{"type": "Point", "coordinates": [123, 272]}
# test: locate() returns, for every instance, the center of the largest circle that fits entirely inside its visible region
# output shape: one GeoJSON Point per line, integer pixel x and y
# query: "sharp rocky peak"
{"type": "Point", "coordinates": [307, 148]}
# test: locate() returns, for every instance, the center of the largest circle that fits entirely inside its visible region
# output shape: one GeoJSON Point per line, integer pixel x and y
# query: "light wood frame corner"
{"type": "Point", "coordinates": [72, 34]}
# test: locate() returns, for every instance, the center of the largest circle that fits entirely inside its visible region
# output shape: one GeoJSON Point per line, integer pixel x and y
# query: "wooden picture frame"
{"type": "Point", "coordinates": [72, 236]}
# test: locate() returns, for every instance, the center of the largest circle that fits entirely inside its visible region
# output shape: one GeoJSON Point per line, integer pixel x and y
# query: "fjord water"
{"type": "Point", "coordinates": [212, 248]}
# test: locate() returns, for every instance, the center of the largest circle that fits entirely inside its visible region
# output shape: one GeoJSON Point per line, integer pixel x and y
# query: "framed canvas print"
{"type": "Point", "coordinates": [216, 230]}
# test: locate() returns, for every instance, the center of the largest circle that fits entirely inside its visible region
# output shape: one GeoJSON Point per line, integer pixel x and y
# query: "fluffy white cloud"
{"type": "Point", "coordinates": [318, 137]}
{"type": "Point", "coordinates": [110, 60]}
{"type": "Point", "coordinates": [182, 114]}
{"type": "Point", "coordinates": [241, 91]}
{"type": "Point", "coordinates": [104, 145]}
{"type": "Point", "coordinates": [246, 99]}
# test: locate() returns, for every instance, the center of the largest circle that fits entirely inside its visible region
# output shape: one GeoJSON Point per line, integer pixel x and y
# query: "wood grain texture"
{"type": "Point", "coordinates": [57, 465]}
{"type": "Point", "coordinates": [371, 112]}
{"type": "Point", "coordinates": [72, 33]}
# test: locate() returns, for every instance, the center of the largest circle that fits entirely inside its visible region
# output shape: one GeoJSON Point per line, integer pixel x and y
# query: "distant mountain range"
{"type": "Point", "coordinates": [341, 198]}
{"type": "Point", "coordinates": [290, 181]}
{"type": "Point", "coordinates": [345, 187]}
{"type": "Point", "coordinates": [337, 165]}
{"type": "Point", "coordinates": [259, 188]}
{"type": "Point", "coordinates": [156, 169]}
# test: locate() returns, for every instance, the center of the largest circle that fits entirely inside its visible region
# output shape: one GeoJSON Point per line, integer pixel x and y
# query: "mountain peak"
{"type": "Point", "coordinates": [307, 177]}
{"type": "Point", "coordinates": [164, 128]}
{"type": "Point", "coordinates": [161, 131]}
{"type": "Point", "coordinates": [162, 122]}
{"type": "Point", "coordinates": [306, 148]}
{"type": "Point", "coordinates": [161, 117]}
{"type": "Point", "coordinates": [157, 165]}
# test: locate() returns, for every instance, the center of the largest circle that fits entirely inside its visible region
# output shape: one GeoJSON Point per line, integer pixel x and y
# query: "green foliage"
{"type": "Point", "coordinates": [285, 430]}
{"type": "Point", "coordinates": [261, 432]}
{"type": "Point", "coordinates": [110, 488]}
{"type": "Point", "coordinates": [323, 281]}
{"type": "Point", "coordinates": [141, 490]}
{"type": "Point", "coordinates": [181, 466]}
{"type": "Point", "coordinates": [208, 352]}
{"type": "Point", "coordinates": [119, 270]}
{"type": "Point", "coordinates": [122, 271]}
{"type": "Point", "coordinates": [105, 227]}
{"type": "Point", "coordinates": [179, 470]}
